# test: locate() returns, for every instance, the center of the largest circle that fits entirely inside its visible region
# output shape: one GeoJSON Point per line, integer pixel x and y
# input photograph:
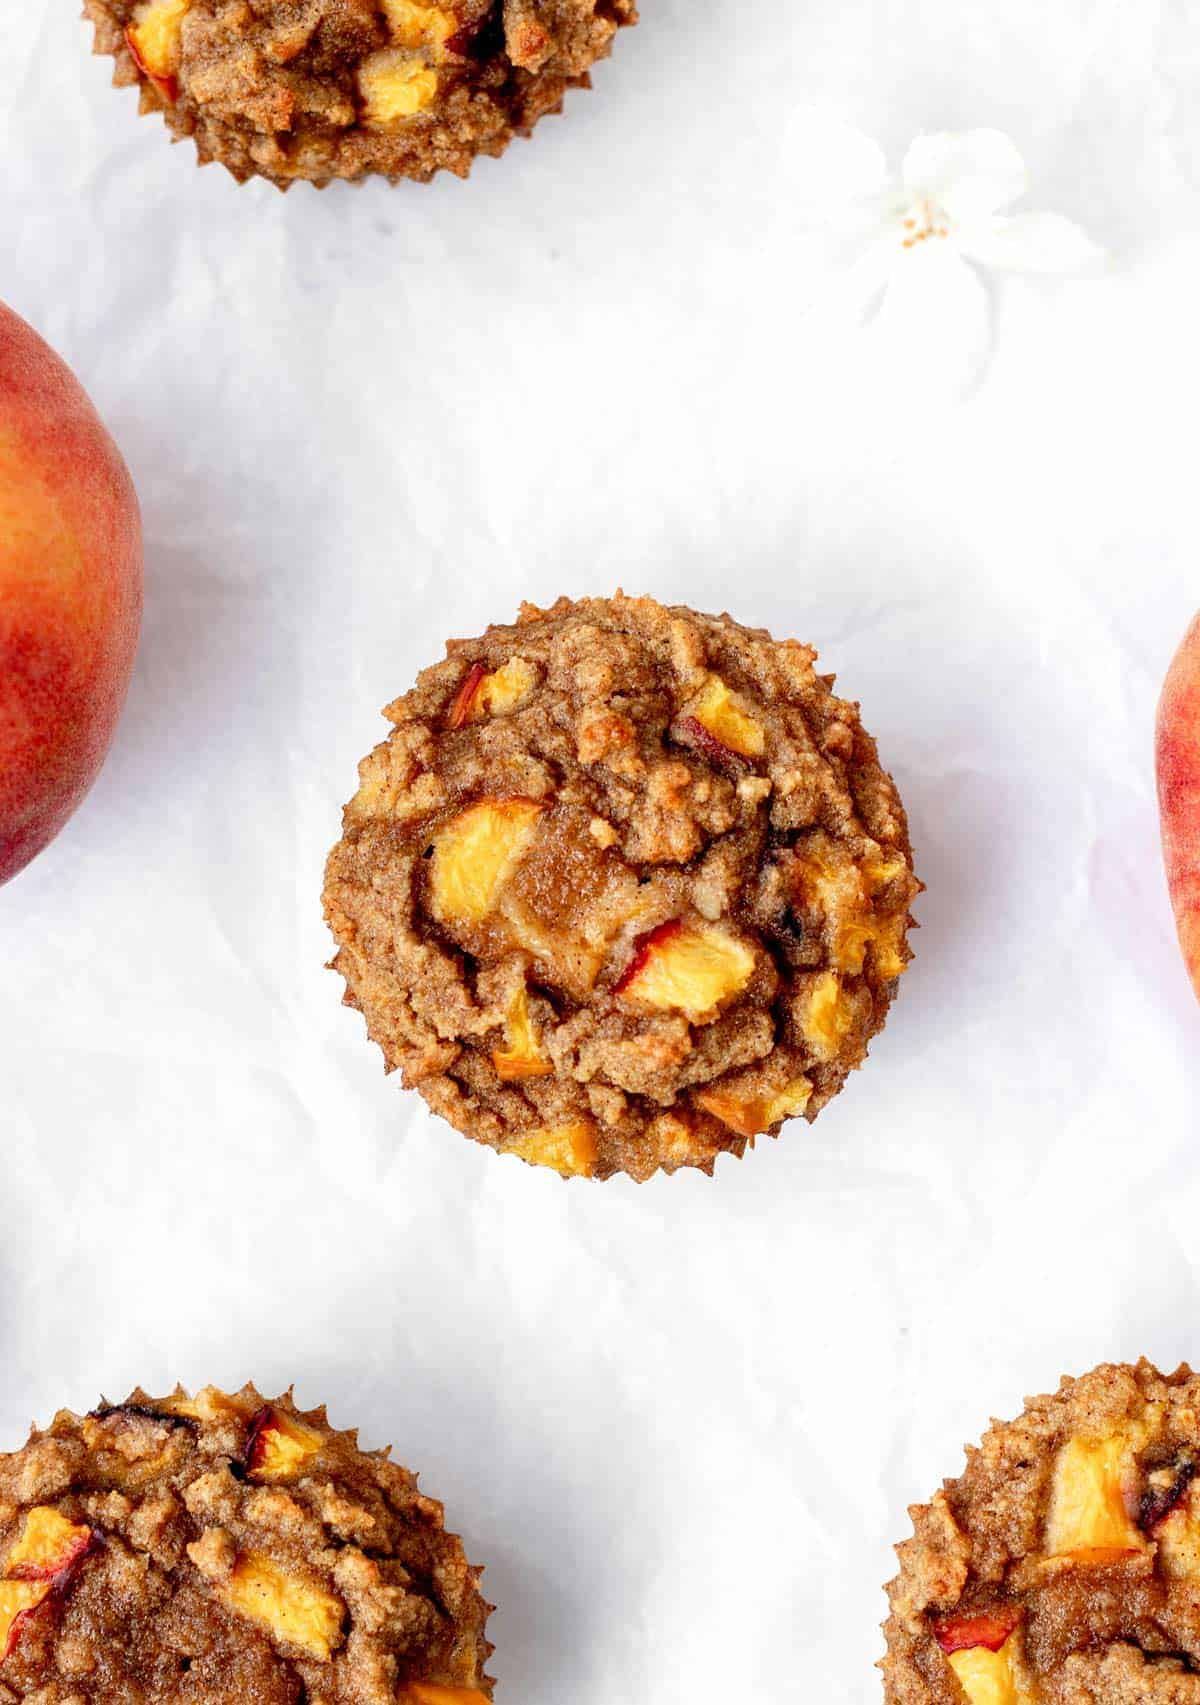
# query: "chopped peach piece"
{"type": "Point", "coordinates": [427, 1693]}
{"type": "Point", "coordinates": [1168, 1488]}
{"type": "Point", "coordinates": [744, 1117]}
{"type": "Point", "coordinates": [1088, 1499]}
{"type": "Point", "coordinates": [985, 1654]}
{"type": "Point", "coordinates": [186, 1408]}
{"type": "Point", "coordinates": [155, 39]}
{"type": "Point", "coordinates": [880, 871]}
{"type": "Point", "coordinates": [17, 1600]}
{"type": "Point", "coordinates": [523, 1057]}
{"type": "Point", "coordinates": [476, 853]}
{"type": "Point", "coordinates": [291, 1610]}
{"type": "Point", "coordinates": [569, 1149]}
{"type": "Point", "coordinates": [1177, 1533]}
{"type": "Point", "coordinates": [843, 892]}
{"type": "Point", "coordinates": [688, 968]}
{"type": "Point", "coordinates": [209, 1404]}
{"type": "Point", "coordinates": [828, 1019]}
{"type": "Point", "coordinates": [48, 1545]}
{"type": "Point", "coordinates": [414, 25]}
{"type": "Point", "coordinates": [46, 1550]}
{"type": "Point", "coordinates": [790, 1103]}
{"type": "Point", "coordinates": [990, 1678]}
{"type": "Point", "coordinates": [752, 1118]}
{"type": "Point", "coordinates": [840, 895]}
{"type": "Point", "coordinates": [279, 1446]}
{"type": "Point", "coordinates": [850, 943]}
{"type": "Point", "coordinates": [483, 695]}
{"type": "Point", "coordinates": [503, 690]}
{"type": "Point", "coordinates": [963, 1633]}
{"type": "Point", "coordinates": [379, 784]}
{"type": "Point", "coordinates": [717, 712]}
{"type": "Point", "coordinates": [887, 941]}
{"type": "Point", "coordinates": [395, 86]}
{"type": "Point", "coordinates": [465, 703]}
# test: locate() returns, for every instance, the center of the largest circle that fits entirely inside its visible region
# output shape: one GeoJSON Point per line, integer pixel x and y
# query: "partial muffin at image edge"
{"type": "Point", "coordinates": [625, 888]}
{"type": "Point", "coordinates": [224, 1548]}
{"type": "Point", "coordinates": [318, 90]}
{"type": "Point", "coordinates": [1063, 1566]}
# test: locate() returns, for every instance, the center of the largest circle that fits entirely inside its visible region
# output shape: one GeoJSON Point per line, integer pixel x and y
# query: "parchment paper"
{"type": "Point", "coordinates": [681, 1423]}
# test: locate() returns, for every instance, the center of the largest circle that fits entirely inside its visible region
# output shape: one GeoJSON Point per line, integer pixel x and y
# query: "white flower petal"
{"type": "Point", "coordinates": [850, 287]}
{"type": "Point", "coordinates": [838, 170]}
{"type": "Point", "coordinates": [870, 276]}
{"type": "Point", "coordinates": [970, 174]}
{"type": "Point", "coordinates": [1031, 242]}
{"type": "Point", "coordinates": [934, 328]}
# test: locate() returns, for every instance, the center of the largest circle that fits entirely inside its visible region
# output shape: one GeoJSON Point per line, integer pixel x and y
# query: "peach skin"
{"type": "Point", "coordinates": [1178, 762]}
{"type": "Point", "coordinates": [70, 592]}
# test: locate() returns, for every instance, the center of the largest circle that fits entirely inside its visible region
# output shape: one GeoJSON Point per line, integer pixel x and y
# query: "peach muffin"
{"type": "Point", "coordinates": [324, 89]}
{"type": "Point", "coordinates": [1063, 1567]}
{"type": "Point", "coordinates": [625, 887]}
{"type": "Point", "coordinates": [226, 1550]}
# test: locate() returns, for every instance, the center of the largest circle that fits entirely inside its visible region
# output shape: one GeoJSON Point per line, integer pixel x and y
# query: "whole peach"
{"type": "Point", "coordinates": [70, 592]}
{"type": "Point", "coordinates": [1178, 755]}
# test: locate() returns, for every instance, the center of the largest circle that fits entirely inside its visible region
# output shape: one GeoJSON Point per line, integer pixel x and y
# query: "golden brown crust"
{"type": "Point", "coordinates": [697, 903]}
{"type": "Point", "coordinates": [1069, 1550]}
{"type": "Point", "coordinates": [224, 1549]}
{"type": "Point", "coordinates": [326, 89]}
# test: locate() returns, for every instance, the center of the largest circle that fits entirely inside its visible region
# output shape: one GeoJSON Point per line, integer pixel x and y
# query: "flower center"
{"type": "Point", "coordinates": [924, 219]}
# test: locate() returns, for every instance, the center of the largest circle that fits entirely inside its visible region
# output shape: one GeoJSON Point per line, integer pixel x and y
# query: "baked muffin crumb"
{"type": "Point", "coordinates": [224, 1549]}
{"type": "Point", "coordinates": [325, 89]}
{"type": "Point", "coordinates": [625, 888]}
{"type": "Point", "coordinates": [1063, 1566]}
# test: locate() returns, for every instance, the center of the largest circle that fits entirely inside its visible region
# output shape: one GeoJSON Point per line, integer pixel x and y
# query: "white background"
{"type": "Point", "coordinates": [680, 1423]}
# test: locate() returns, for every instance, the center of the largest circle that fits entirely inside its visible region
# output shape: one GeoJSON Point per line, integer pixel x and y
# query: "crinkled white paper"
{"type": "Point", "coordinates": [679, 1423]}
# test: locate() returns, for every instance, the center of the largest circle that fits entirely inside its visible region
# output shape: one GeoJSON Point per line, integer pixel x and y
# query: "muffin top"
{"type": "Point", "coordinates": [1063, 1567]}
{"type": "Point", "coordinates": [228, 1551]}
{"type": "Point", "coordinates": [324, 89]}
{"type": "Point", "coordinates": [625, 887]}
